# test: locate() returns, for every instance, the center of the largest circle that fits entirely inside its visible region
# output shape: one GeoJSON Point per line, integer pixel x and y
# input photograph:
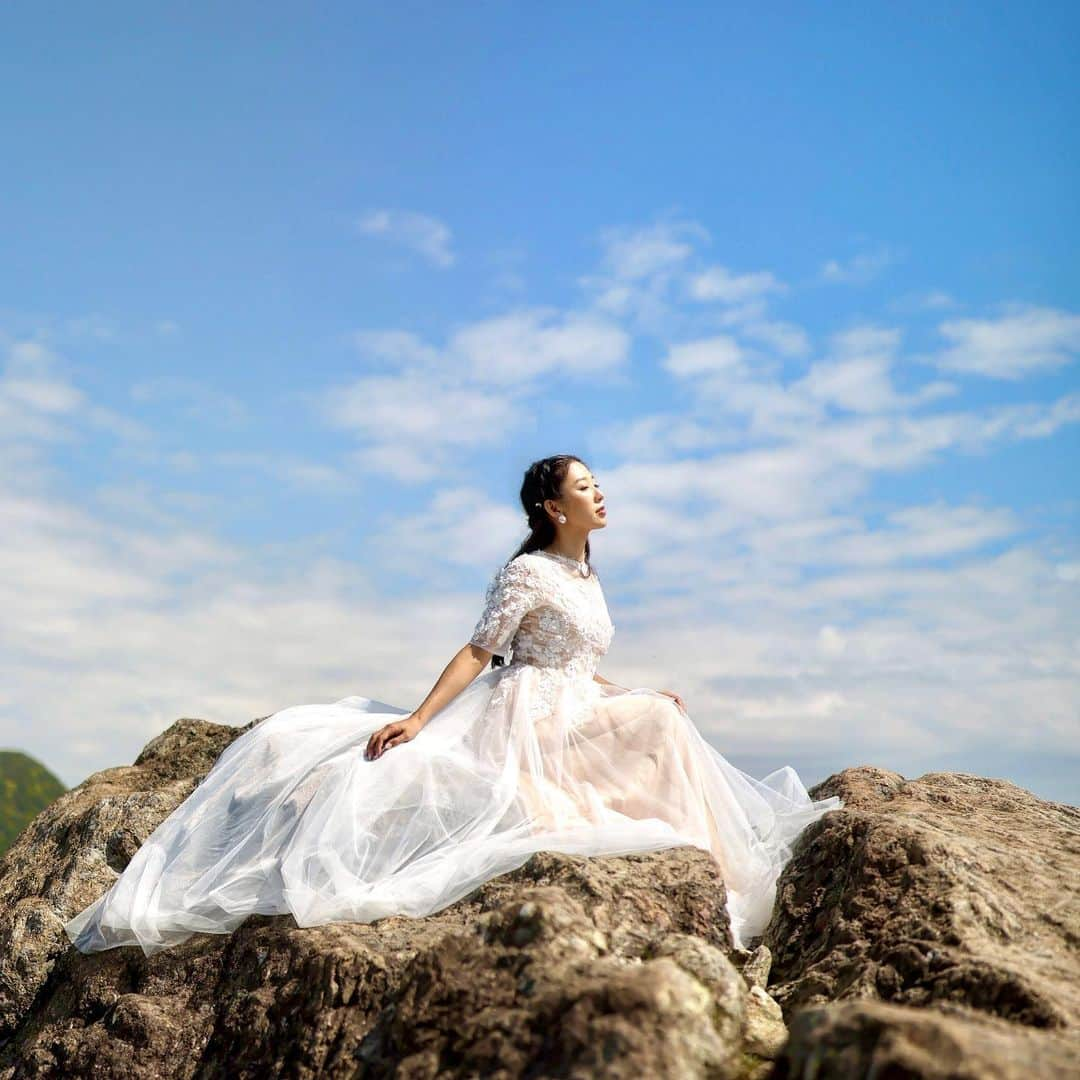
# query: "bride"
{"type": "Point", "coordinates": [356, 809]}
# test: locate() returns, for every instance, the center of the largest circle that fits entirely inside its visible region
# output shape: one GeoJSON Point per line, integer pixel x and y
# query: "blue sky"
{"type": "Point", "coordinates": [290, 298]}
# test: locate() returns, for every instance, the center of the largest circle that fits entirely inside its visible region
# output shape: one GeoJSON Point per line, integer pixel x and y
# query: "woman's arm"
{"type": "Point", "coordinates": [607, 682]}
{"type": "Point", "coordinates": [464, 666]}
{"type": "Point", "coordinates": [667, 693]}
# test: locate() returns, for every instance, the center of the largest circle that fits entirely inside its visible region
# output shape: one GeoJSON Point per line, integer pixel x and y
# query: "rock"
{"type": "Point", "coordinates": [72, 851]}
{"type": "Point", "coordinates": [950, 892]}
{"type": "Point", "coordinates": [714, 971]}
{"type": "Point", "coordinates": [533, 982]}
{"type": "Point", "coordinates": [873, 1038]}
{"type": "Point", "coordinates": [755, 966]}
{"type": "Point", "coordinates": [764, 1031]}
{"type": "Point", "coordinates": [918, 931]}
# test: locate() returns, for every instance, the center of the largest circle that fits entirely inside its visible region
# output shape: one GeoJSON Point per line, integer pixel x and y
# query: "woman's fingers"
{"type": "Point", "coordinates": [372, 751]}
{"type": "Point", "coordinates": [386, 736]}
{"type": "Point", "coordinates": [377, 742]}
{"type": "Point", "coordinates": [678, 701]}
{"type": "Point", "coordinates": [675, 697]}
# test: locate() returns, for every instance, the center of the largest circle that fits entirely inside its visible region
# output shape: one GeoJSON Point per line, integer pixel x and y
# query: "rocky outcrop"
{"type": "Point", "coordinates": [73, 850]}
{"type": "Point", "coordinates": [929, 928]}
{"type": "Point", "coordinates": [944, 913]}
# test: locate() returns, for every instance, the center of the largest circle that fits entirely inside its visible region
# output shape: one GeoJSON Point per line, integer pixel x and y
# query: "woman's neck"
{"type": "Point", "coordinates": [577, 556]}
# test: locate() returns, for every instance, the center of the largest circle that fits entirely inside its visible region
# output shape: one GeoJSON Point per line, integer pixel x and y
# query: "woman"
{"type": "Point", "coordinates": [356, 810]}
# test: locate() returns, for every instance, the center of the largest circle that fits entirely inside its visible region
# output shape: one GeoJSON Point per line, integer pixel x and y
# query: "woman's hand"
{"type": "Point", "coordinates": [397, 731]}
{"type": "Point", "coordinates": [675, 697]}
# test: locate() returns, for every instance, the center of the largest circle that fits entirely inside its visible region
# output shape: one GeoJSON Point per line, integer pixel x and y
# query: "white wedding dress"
{"type": "Point", "coordinates": [534, 755]}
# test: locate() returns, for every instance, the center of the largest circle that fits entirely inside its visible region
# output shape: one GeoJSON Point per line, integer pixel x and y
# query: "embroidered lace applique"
{"type": "Point", "coordinates": [547, 616]}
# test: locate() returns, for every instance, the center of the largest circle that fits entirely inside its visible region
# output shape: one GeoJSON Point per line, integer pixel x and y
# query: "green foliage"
{"type": "Point", "coordinates": [26, 788]}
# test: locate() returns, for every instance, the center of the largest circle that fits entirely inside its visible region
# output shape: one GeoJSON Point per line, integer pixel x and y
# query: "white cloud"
{"type": "Point", "coordinates": [784, 338]}
{"type": "Point", "coordinates": [858, 375]}
{"type": "Point", "coordinates": [904, 663]}
{"type": "Point", "coordinates": [397, 459]}
{"type": "Point", "coordinates": [631, 254]}
{"type": "Point", "coordinates": [859, 269]}
{"type": "Point", "coordinates": [527, 344]}
{"type": "Point", "coordinates": [718, 284]}
{"type": "Point", "coordinates": [426, 235]}
{"type": "Point", "coordinates": [40, 404]}
{"type": "Point", "coordinates": [395, 347]}
{"type": "Point", "coordinates": [647, 275]}
{"type": "Point", "coordinates": [429, 404]}
{"type": "Point", "coordinates": [1026, 341]}
{"type": "Point", "coordinates": [461, 525]}
{"type": "Point", "coordinates": [718, 354]}
{"type": "Point", "coordinates": [513, 349]}
{"type": "Point", "coordinates": [857, 385]}
{"type": "Point", "coordinates": [932, 531]}
{"type": "Point", "coordinates": [1038, 422]}
{"type": "Point", "coordinates": [639, 268]}
{"type": "Point", "coordinates": [412, 422]}
{"type": "Point", "coordinates": [125, 630]}
{"type": "Point", "coordinates": [811, 465]}
{"type": "Point", "coordinates": [298, 474]}
{"type": "Point", "coordinates": [412, 407]}
{"type": "Point", "coordinates": [740, 382]}
{"type": "Point", "coordinates": [33, 392]}
{"type": "Point", "coordinates": [661, 435]}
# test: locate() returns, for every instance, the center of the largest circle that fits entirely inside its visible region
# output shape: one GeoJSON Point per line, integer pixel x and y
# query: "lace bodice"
{"type": "Point", "coordinates": [539, 607]}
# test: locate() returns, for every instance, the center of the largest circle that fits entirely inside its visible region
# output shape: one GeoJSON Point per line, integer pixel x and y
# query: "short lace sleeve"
{"type": "Point", "coordinates": [513, 592]}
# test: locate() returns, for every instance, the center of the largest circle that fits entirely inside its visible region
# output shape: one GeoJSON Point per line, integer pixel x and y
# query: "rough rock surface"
{"type": "Point", "coordinates": [930, 928]}
{"type": "Point", "coordinates": [951, 888]}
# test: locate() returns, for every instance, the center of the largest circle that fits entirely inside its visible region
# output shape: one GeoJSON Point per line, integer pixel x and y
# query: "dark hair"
{"type": "Point", "coordinates": [543, 480]}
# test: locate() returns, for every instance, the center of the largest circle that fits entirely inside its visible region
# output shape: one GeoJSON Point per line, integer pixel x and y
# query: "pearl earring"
{"type": "Point", "coordinates": [562, 519]}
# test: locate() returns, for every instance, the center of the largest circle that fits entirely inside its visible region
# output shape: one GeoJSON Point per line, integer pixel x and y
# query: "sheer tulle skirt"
{"type": "Point", "coordinates": [293, 819]}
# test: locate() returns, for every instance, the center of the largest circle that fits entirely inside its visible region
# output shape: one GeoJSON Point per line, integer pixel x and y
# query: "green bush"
{"type": "Point", "coordinates": [26, 788]}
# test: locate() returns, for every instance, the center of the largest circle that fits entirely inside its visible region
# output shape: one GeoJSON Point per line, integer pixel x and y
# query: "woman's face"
{"type": "Point", "coordinates": [581, 500]}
